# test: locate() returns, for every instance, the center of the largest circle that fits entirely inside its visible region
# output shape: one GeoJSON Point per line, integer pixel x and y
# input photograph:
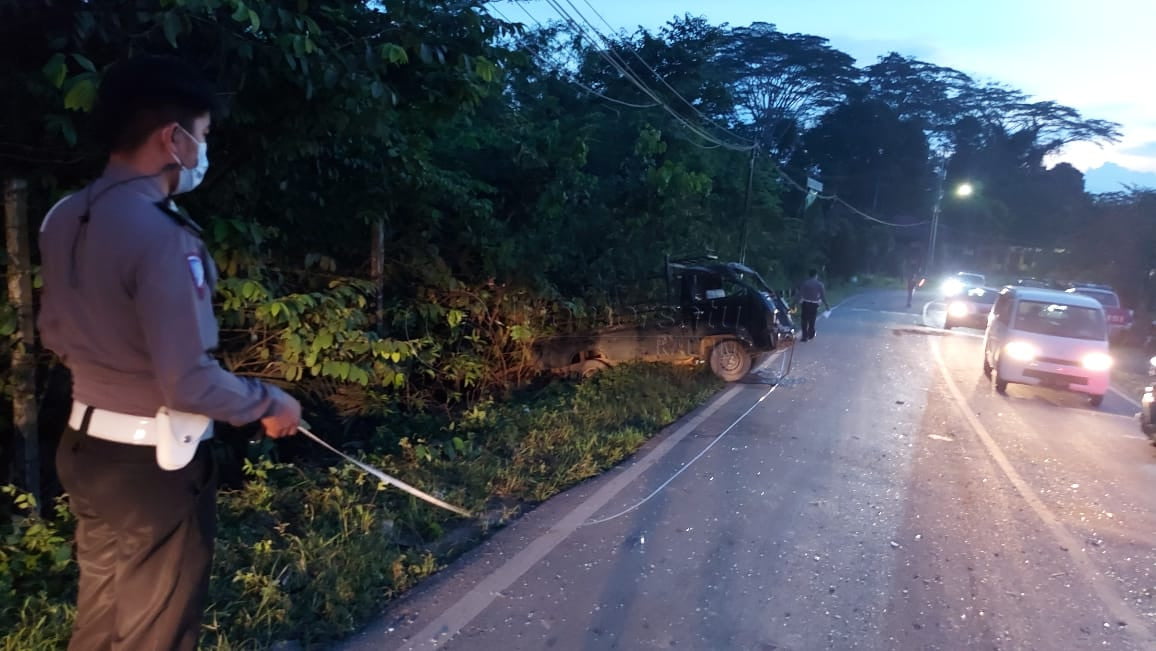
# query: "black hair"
{"type": "Point", "coordinates": [813, 272]}
{"type": "Point", "coordinates": [142, 94]}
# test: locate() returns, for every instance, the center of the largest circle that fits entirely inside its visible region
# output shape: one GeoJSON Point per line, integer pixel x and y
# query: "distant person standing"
{"type": "Point", "coordinates": [912, 283]}
{"type": "Point", "coordinates": [812, 294]}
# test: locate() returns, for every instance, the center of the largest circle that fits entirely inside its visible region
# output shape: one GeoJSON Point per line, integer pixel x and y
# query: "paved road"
{"type": "Point", "coordinates": [882, 497]}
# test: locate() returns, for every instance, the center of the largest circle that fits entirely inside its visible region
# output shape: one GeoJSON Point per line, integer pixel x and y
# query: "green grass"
{"type": "Point", "coordinates": [312, 553]}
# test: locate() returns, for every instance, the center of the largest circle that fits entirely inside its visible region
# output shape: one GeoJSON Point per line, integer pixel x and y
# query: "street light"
{"type": "Point", "coordinates": [963, 191]}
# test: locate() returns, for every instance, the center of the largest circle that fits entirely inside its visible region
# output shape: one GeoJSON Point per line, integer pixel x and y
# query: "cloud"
{"type": "Point", "coordinates": [1114, 178]}
{"type": "Point", "coordinates": [1147, 149]}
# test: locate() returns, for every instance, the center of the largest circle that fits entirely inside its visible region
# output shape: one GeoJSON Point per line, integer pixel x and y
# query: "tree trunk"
{"type": "Point", "coordinates": [377, 271]}
{"type": "Point", "coordinates": [24, 412]}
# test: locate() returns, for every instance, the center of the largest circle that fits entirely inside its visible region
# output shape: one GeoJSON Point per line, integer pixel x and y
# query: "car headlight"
{"type": "Point", "coordinates": [958, 309]}
{"type": "Point", "coordinates": [1021, 351]}
{"type": "Point", "coordinates": [1097, 361]}
{"type": "Point", "coordinates": [952, 286]}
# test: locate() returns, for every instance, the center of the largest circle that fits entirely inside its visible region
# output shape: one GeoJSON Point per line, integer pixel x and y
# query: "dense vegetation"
{"type": "Point", "coordinates": [402, 197]}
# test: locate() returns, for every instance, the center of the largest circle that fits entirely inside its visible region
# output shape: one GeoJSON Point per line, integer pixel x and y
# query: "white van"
{"type": "Point", "coordinates": [1048, 338]}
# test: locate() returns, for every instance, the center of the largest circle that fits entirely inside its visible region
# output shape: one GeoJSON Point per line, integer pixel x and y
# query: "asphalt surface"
{"type": "Point", "coordinates": [882, 496]}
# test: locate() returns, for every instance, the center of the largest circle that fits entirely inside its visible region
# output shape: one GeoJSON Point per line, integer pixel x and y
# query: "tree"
{"type": "Point", "coordinates": [872, 159]}
{"type": "Point", "coordinates": [783, 81]}
{"type": "Point", "coordinates": [918, 91]}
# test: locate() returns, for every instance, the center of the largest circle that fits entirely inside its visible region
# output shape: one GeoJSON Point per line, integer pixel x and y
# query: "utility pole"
{"type": "Point", "coordinates": [935, 210]}
{"type": "Point", "coordinates": [747, 209]}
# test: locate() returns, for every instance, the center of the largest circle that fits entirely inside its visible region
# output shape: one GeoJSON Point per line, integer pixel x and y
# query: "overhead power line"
{"type": "Point", "coordinates": [605, 49]}
{"type": "Point", "coordinates": [549, 59]}
{"type": "Point", "coordinates": [837, 199]}
{"type": "Point", "coordinates": [664, 82]}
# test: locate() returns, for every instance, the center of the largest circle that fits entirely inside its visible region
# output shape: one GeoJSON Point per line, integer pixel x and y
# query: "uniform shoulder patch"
{"type": "Point", "coordinates": [197, 269]}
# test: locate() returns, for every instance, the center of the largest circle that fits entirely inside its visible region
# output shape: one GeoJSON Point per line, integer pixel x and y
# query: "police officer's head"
{"type": "Point", "coordinates": [154, 114]}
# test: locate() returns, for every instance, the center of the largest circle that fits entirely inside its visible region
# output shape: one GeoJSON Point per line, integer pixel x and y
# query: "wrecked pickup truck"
{"type": "Point", "coordinates": [721, 313]}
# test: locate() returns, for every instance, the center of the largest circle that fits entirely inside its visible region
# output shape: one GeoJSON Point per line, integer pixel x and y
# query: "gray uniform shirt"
{"type": "Point", "coordinates": [812, 291]}
{"type": "Point", "coordinates": [134, 322]}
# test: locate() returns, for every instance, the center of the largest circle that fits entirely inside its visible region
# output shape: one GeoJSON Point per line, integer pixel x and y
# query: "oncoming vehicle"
{"type": "Point", "coordinates": [960, 282]}
{"type": "Point", "coordinates": [971, 308]}
{"type": "Point", "coordinates": [1119, 318]}
{"type": "Point", "coordinates": [1048, 338]}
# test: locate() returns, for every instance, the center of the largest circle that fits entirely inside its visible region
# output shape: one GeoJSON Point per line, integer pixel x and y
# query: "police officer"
{"type": "Point", "coordinates": [127, 306]}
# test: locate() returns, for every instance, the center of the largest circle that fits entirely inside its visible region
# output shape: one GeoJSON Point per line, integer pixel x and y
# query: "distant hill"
{"type": "Point", "coordinates": [1113, 178]}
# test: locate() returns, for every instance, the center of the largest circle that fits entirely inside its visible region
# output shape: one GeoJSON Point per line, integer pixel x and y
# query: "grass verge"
{"type": "Point", "coordinates": [311, 553]}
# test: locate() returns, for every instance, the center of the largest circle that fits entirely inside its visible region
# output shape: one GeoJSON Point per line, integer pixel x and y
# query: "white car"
{"type": "Point", "coordinates": [1049, 338]}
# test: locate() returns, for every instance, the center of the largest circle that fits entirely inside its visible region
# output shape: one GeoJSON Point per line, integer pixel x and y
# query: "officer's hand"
{"type": "Point", "coordinates": [285, 419]}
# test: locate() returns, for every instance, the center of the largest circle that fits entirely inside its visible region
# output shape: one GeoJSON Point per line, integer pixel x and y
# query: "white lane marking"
{"type": "Point", "coordinates": [1092, 411]}
{"type": "Point", "coordinates": [457, 616]}
{"type": "Point", "coordinates": [1135, 403]}
{"type": "Point", "coordinates": [1103, 588]}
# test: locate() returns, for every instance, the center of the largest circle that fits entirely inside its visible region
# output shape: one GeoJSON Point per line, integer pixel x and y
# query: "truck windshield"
{"type": "Point", "coordinates": [757, 283]}
{"type": "Point", "coordinates": [1061, 320]}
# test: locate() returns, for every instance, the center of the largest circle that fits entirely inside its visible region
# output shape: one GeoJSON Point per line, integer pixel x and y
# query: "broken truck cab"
{"type": "Point", "coordinates": [721, 313]}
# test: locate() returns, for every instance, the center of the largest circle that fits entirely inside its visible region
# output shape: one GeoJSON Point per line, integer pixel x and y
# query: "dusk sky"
{"type": "Point", "coordinates": [1099, 57]}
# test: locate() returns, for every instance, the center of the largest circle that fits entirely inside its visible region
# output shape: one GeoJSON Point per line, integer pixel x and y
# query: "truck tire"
{"type": "Point", "coordinates": [730, 360]}
{"type": "Point", "coordinates": [592, 367]}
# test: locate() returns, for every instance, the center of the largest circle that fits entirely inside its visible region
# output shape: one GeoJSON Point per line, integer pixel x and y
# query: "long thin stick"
{"type": "Point", "coordinates": [388, 479]}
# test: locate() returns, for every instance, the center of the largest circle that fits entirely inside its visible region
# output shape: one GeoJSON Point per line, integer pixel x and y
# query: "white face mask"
{"type": "Point", "coordinates": [191, 177]}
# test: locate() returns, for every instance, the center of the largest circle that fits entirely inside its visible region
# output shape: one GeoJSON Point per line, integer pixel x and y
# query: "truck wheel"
{"type": "Point", "coordinates": [730, 360]}
{"type": "Point", "coordinates": [592, 367]}
{"type": "Point", "coordinates": [1096, 400]}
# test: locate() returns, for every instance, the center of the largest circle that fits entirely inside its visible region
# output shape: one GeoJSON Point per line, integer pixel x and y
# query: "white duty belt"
{"type": "Point", "coordinates": [174, 434]}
